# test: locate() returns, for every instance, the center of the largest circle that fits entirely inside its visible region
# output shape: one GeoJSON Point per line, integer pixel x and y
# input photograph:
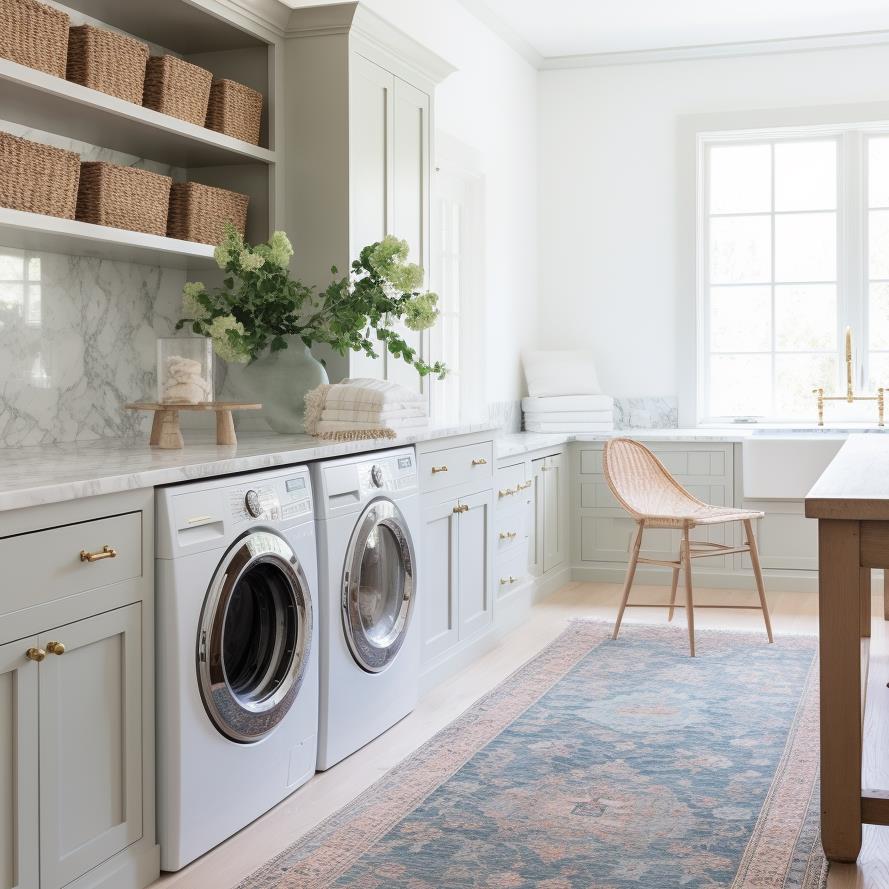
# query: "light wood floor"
{"type": "Point", "coordinates": [229, 863]}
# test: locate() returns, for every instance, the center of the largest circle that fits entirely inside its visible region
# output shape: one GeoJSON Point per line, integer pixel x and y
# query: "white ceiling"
{"type": "Point", "coordinates": [556, 28]}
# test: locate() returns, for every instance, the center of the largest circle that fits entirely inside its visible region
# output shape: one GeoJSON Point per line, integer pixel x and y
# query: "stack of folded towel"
{"type": "Point", "coordinates": [564, 394]}
{"type": "Point", "coordinates": [363, 408]}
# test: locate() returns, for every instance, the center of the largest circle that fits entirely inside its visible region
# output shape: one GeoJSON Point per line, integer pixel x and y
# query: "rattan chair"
{"type": "Point", "coordinates": [647, 491]}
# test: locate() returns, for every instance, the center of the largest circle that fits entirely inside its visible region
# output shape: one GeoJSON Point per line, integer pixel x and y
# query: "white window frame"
{"type": "Point", "coordinates": [852, 250]}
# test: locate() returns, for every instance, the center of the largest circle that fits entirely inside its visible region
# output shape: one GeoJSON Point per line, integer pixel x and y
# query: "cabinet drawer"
{"type": "Point", "coordinates": [457, 466]}
{"type": "Point", "coordinates": [511, 572]}
{"type": "Point", "coordinates": [46, 565]}
{"type": "Point", "coordinates": [513, 489]}
{"type": "Point", "coordinates": [511, 529]}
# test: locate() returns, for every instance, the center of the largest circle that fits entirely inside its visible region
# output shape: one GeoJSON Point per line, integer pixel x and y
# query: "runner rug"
{"type": "Point", "coordinates": [599, 764]}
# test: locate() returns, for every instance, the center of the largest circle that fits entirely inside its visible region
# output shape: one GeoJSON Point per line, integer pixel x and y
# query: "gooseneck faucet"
{"type": "Point", "coordinates": [850, 395]}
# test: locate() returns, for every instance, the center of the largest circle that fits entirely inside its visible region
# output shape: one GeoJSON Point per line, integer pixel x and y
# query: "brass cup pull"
{"type": "Point", "coordinates": [55, 647]}
{"type": "Point", "coordinates": [437, 469]}
{"type": "Point", "coordinates": [479, 461]}
{"type": "Point", "coordinates": [106, 552]}
{"type": "Point", "coordinates": [35, 654]}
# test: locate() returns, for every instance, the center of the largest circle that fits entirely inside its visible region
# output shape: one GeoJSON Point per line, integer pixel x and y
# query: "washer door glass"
{"type": "Point", "coordinates": [378, 586]}
{"type": "Point", "coordinates": [254, 637]}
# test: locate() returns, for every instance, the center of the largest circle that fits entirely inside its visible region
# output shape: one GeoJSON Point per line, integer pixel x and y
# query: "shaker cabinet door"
{"type": "Point", "coordinates": [90, 705]}
{"type": "Point", "coordinates": [19, 844]}
{"type": "Point", "coordinates": [438, 580]}
{"type": "Point", "coordinates": [554, 536]}
{"type": "Point", "coordinates": [475, 564]}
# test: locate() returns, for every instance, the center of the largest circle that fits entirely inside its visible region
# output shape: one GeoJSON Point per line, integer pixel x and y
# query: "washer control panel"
{"type": "Point", "coordinates": [390, 473]}
{"type": "Point", "coordinates": [271, 500]}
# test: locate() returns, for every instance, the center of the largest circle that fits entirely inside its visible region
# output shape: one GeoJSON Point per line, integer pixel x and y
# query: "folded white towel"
{"type": "Point", "coordinates": [368, 394]}
{"type": "Point", "coordinates": [373, 416]}
{"type": "Point", "coordinates": [569, 416]}
{"type": "Point", "coordinates": [569, 403]}
{"type": "Point", "coordinates": [395, 425]}
{"type": "Point", "coordinates": [558, 426]}
{"type": "Point", "coordinates": [560, 373]}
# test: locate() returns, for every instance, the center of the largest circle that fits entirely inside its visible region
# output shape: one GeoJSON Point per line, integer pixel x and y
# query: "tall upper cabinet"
{"type": "Point", "coordinates": [358, 127]}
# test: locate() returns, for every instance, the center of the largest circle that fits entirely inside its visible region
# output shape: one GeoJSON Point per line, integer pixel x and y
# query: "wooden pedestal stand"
{"type": "Point", "coordinates": [165, 431]}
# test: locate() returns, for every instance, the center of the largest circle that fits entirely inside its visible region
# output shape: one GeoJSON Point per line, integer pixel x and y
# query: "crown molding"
{"type": "Point", "coordinates": [270, 15]}
{"type": "Point", "coordinates": [481, 11]}
{"type": "Point", "coordinates": [717, 50]}
{"type": "Point", "coordinates": [356, 19]}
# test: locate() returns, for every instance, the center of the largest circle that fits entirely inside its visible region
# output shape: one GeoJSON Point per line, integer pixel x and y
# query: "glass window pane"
{"type": "Point", "coordinates": [878, 316]}
{"type": "Point", "coordinates": [878, 243]}
{"type": "Point", "coordinates": [12, 265]}
{"type": "Point", "coordinates": [806, 247]}
{"type": "Point", "coordinates": [740, 249]}
{"type": "Point", "coordinates": [879, 370]}
{"type": "Point", "coordinates": [878, 171]}
{"type": "Point", "coordinates": [795, 377]}
{"type": "Point", "coordinates": [740, 179]}
{"type": "Point", "coordinates": [806, 175]}
{"type": "Point", "coordinates": [741, 319]}
{"type": "Point", "coordinates": [740, 385]}
{"type": "Point", "coordinates": [805, 317]}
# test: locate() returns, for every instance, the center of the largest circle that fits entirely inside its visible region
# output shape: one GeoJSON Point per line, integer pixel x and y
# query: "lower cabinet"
{"type": "Point", "coordinates": [457, 571]}
{"type": "Point", "coordinates": [70, 749]}
{"type": "Point", "coordinates": [549, 547]}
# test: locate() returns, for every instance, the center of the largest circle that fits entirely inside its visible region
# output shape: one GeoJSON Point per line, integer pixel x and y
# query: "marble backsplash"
{"type": "Point", "coordinates": [646, 413]}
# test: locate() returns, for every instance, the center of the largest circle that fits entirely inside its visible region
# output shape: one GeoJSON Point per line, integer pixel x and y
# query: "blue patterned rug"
{"type": "Point", "coordinates": [599, 764]}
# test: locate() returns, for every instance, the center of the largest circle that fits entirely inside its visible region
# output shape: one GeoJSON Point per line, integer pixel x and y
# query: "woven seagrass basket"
{"type": "Point", "coordinates": [177, 88]}
{"type": "Point", "coordinates": [37, 178]}
{"type": "Point", "coordinates": [107, 61]}
{"type": "Point", "coordinates": [34, 34]}
{"type": "Point", "coordinates": [199, 212]}
{"type": "Point", "coordinates": [123, 197]}
{"type": "Point", "coordinates": [235, 110]}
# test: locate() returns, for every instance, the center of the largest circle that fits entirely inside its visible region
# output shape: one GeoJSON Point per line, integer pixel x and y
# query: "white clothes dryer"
{"type": "Point", "coordinates": [237, 654]}
{"type": "Point", "coordinates": [367, 510]}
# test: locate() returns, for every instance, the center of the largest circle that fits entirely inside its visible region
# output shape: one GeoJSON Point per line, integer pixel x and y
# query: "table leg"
{"type": "Point", "coordinates": [864, 593]}
{"type": "Point", "coordinates": [839, 619]}
{"type": "Point", "coordinates": [225, 428]}
{"type": "Point", "coordinates": [156, 424]}
{"type": "Point", "coordinates": [170, 435]}
{"type": "Point", "coordinates": [886, 594]}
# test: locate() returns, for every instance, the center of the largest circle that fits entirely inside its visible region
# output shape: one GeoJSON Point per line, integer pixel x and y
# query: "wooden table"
{"type": "Point", "coordinates": [851, 503]}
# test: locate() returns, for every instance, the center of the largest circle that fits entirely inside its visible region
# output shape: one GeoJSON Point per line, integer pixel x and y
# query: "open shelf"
{"type": "Point", "coordinates": [44, 102]}
{"type": "Point", "coordinates": [34, 231]}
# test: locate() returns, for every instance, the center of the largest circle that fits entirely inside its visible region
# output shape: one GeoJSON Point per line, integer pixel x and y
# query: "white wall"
{"type": "Point", "coordinates": [490, 104]}
{"type": "Point", "coordinates": [610, 198]}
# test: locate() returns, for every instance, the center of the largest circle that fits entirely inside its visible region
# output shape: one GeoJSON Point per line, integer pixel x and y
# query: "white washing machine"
{"type": "Point", "coordinates": [367, 509]}
{"type": "Point", "coordinates": [237, 654]}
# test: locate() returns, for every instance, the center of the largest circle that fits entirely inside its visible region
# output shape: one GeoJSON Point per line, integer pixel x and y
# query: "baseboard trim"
{"type": "Point", "coordinates": [775, 581]}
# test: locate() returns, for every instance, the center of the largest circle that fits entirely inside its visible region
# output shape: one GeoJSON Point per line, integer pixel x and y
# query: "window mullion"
{"type": "Point", "coordinates": [851, 255]}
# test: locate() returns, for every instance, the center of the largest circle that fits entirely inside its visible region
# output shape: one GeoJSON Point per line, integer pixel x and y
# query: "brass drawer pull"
{"type": "Point", "coordinates": [35, 654]}
{"type": "Point", "coordinates": [479, 461]}
{"type": "Point", "coordinates": [507, 492]}
{"type": "Point", "coordinates": [106, 553]}
{"type": "Point", "coordinates": [461, 507]}
{"type": "Point", "coordinates": [524, 485]}
{"type": "Point", "coordinates": [507, 535]}
{"type": "Point", "coordinates": [507, 580]}
{"type": "Point", "coordinates": [437, 469]}
{"type": "Point", "coordinates": [55, 648]}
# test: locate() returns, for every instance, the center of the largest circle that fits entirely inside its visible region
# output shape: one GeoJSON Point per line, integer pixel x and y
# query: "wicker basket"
{"type": "Point", "coordinates": [199, 212]}
{"type": "Point", "coordinates": [123, 197]}
{"type": "Point", "coordinates": [177, 88]}
{"type": "Point", "coordinates": [235, 110]}
{"type": "Point", "coordinates": [37, 178]}
{"type": "Point", "coordinates": [107, 61]}
{"type": "Point", "coordinates": [34, 35]}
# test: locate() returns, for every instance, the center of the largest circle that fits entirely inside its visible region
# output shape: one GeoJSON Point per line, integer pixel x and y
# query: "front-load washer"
{"type": "Point", "coordinates": [237, 654]}
{"type": "Point", "coordinates": [367, 510]}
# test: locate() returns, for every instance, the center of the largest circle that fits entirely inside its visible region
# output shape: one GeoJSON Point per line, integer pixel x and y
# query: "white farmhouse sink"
{"type": "Point", "coordinates": [782, 466]}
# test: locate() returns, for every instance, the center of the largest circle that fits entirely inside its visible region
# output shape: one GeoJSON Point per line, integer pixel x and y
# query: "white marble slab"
{"type": "Point", "coordinates": [34, 476]}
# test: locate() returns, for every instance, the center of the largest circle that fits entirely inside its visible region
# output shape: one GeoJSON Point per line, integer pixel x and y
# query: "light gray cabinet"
{"type": "Point", "coordinates": [549, 547]}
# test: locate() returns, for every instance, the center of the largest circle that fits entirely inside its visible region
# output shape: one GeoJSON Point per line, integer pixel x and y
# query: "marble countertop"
{"type": "Point", "coordinates": [41, 474]}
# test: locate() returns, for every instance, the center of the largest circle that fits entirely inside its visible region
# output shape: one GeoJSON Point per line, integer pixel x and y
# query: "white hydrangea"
{"type": "Point", "coordinates": [190, 305]}
{"type": "Point", "coordinates": [280, 249]}
{"type": "Point", "coordinates": [250, 262]}
{"type": "Point", "coordinates": [222, 256]}
{"type": "Point", "coordinates": [224, 348]}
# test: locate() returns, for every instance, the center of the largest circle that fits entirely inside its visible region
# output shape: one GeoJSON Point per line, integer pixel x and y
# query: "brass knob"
{"type": "Point", "coordinates": [437, 469]}
{"type": "Point", "coordinates": [35, 654]}
{"type": "Point", "coordinates": [479, 461]}
{"type": "Point", "coordinates": [55, 647]}
{"type": "Point", "coordinates": [106, 552]}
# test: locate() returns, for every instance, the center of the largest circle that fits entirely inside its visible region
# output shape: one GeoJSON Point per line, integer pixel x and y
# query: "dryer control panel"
{"type": "Point", "coordinates": [271, 500]}
{"type": "Point", "coordinates": [393, 472]}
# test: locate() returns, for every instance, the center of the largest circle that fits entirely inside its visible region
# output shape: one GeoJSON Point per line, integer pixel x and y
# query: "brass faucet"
{"type": "Point", "coordinates": [850, 395]}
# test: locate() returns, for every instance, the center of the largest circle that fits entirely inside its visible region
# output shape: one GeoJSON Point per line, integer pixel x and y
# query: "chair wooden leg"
{"type": "Point", "coordinates": [631, 571]}
{"type": "Point", "coordinates": [757, 573]}
{"type": "Point", "coordinates": [673, 593]}
{"type": "Point", "coordinates": [685, 559]}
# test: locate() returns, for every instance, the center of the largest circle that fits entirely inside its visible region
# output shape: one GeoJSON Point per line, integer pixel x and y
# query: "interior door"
{"type": "Point", "coordinates": [438, 580]}
{"type": "Point", "coordinates": [19, 847]}
{"type": "Point", "coordinates": [90, 710]}
{"type": "Point", "coordinates": [474, 544]}
{"type": "Point", "coordinates": [371, 101]}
